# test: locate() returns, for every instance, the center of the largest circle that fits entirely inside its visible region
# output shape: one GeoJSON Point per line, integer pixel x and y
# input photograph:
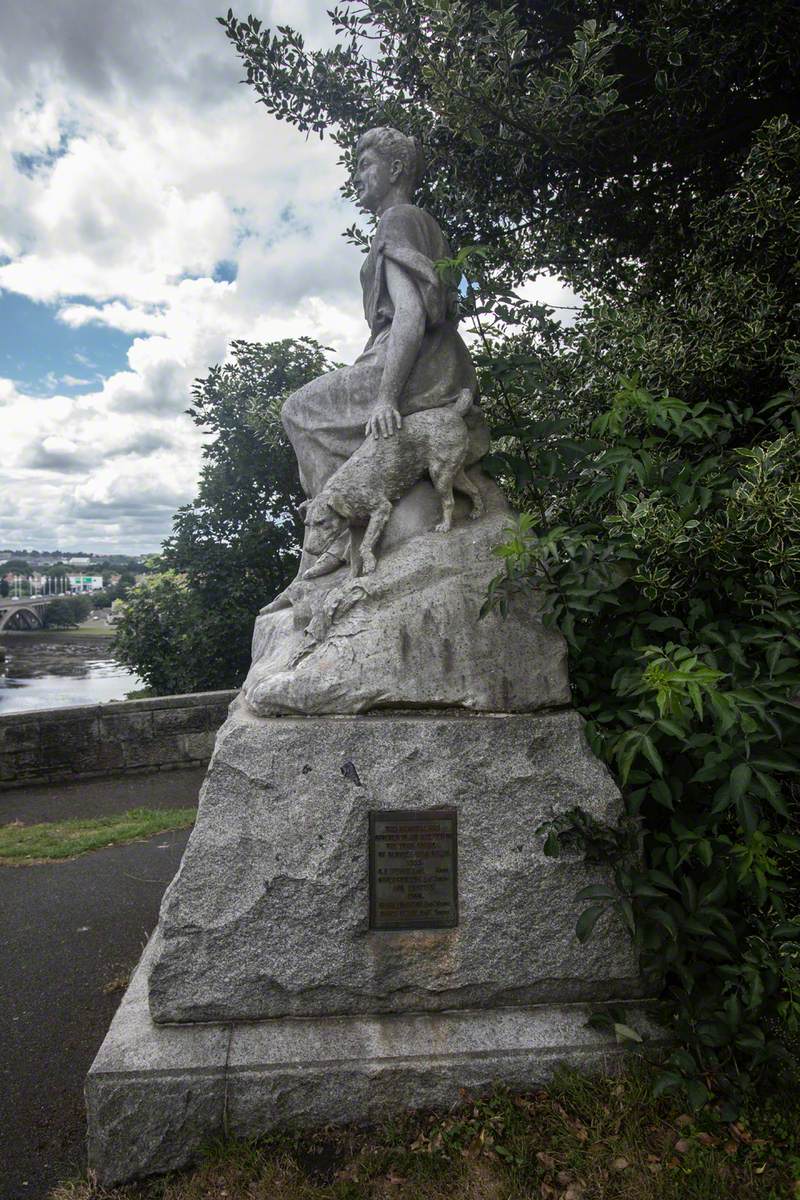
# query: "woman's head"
{"type": "Point", "coordinates": [386, 162]}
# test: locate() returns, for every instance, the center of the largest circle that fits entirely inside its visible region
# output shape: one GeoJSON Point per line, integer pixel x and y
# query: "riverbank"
{"type": "Point", "coordinates": [89, 628]}
{"type": "Point", "coordinates": [61, 668]}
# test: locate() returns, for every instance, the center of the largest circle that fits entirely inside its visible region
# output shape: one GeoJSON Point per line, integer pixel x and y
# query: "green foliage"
{"type": "Point", "coordinates": [114, 591]}
{"type": "Point", "coordinates": [66, 612]}
{"type": "Point", "coordinates": [163, 635]}
{"type": "Point", "coordinates": [670, 565]}
{"type": "Point", "coordinates": [188, 626]}
{"type": "Point", "coordinates": [662, 530]}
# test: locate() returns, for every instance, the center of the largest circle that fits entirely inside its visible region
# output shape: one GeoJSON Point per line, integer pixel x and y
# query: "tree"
{"type": "Point", "coordinates": [649, 154]}
{"type": "Point", "coordinates": [599, 135]}
{"type": "Point", "coordinates": [16, 566]}
{"type": "Point", "coordinates": [617, 147]}
{"type": "Point", "coordinates": [123, 585]}
{"type": "Point", "coordinates": [5, 588]}
{"type": "Point", "coordinates": [67, 613]}
{"type": "Point", "coordinates": [189, 626]}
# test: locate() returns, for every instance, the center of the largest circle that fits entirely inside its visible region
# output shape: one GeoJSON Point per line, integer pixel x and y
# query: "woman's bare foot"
{"type": "Point", "coordinates": [281, 601]}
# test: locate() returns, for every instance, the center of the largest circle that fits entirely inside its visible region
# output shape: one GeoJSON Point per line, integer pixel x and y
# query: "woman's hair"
{"type": "Point", "coordinates": [390, 143]}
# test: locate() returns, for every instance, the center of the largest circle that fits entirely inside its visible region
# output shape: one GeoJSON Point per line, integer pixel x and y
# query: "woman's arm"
{"type": "Point", "coordinates": [405, 339]}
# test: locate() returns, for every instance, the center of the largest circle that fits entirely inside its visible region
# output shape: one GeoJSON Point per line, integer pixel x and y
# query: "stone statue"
{"type": "Point", "coordinates": [381, 446]}
{"type": "Point", "coordinates": [414, 360]}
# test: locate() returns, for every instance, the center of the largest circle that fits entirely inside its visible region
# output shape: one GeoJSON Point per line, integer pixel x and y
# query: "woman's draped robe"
{"type": "Point", "coordinates": [325, 419]}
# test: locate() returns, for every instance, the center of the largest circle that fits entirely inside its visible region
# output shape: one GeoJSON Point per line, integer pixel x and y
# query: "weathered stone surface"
{"type": "Point", "coordinates": [156, 1093]}
{"type": "Point", "coordinates": [268, 914]}
{"type": "Point", "coordinates": [152, 1098]}
{"type": "Point", "coordinates": [409, 635]}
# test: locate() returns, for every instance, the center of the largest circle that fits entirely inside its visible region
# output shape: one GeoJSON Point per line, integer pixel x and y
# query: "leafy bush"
{"type": "Point", "coordinates": [67, 612]}
{"type": "Point", "coordinates": [163, 632]}
{"type": "Point", "coordinates": [670, 562]}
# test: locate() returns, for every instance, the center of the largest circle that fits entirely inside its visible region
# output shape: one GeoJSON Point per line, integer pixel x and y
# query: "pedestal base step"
{"type": "Point", "coordinates": [156, 1094]}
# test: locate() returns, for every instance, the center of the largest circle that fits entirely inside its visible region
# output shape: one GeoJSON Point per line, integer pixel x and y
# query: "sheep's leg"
{"type": "Point", "coordinates": [375, 527]}
{"type": "Point", "coordinates": [355, 558]}
{"type": "Point", "coordinates": [442, 478]}
{"type": "Point", "coordinates": [464, 484]}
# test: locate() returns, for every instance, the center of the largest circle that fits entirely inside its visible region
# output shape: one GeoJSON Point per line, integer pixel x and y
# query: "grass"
{"type": "Point", "coordinates": [22, 845]}
{"type": "Point", "coordinates": [601, 1138]}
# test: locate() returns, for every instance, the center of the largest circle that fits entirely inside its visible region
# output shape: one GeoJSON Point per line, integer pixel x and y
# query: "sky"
{"type": "Point", "coordinates": [150, 213]}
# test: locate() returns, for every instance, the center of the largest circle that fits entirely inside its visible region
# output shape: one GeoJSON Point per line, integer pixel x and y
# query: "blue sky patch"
{"type": "Point", "coordinates": [225, 271]}
{"type": "Point", "coordinates": [31, 164]}
{"type": "Point", "coordinates": [45, 356]}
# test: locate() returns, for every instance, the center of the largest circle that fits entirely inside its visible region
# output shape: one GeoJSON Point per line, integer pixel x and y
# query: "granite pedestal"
{"type": "Point", "coordinates": [156, 1093]}
{"type": "Point", "coordinates": [268, 915]}
{"type": "Point", "coordinates": [265, 998]}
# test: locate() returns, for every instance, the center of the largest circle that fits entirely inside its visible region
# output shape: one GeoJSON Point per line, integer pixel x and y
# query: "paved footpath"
{"type": "Point", "coordinates": [101, 797]}
{"type": "Point", "coordinates": [70, 933]}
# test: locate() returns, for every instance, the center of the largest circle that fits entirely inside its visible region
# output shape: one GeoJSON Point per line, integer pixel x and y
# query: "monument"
{"type": "Point", "coordinates": [364, 919]}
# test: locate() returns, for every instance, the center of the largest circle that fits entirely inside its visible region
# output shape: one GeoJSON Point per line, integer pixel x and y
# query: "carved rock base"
{"type": "Point", "coordinates": [408, 635]}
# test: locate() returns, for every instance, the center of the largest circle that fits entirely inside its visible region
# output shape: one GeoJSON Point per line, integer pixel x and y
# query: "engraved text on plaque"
{"type": "Point", "coordinates": [413, 880]}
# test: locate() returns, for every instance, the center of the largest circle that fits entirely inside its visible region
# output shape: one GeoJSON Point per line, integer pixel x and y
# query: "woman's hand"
{"type": "Point", "coordinates": [384, 422]}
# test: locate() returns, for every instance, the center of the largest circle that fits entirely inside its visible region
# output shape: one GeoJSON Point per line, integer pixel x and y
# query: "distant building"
{"type": "Point", "coordinates": [78, 562]}
{"type": "Point", "coordinates": [85, 583]}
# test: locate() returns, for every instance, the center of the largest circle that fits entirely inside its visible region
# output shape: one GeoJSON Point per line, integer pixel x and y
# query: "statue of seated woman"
{"type": "Point", "coordinates": [414, 359]}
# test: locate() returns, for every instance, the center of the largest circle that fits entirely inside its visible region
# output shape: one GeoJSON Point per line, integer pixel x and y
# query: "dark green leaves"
{"type": "Point", "coordinates": [587, 921]}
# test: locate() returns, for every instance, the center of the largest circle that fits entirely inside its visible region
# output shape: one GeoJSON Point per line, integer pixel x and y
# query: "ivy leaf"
{"type": "Point", "coordinates": [587, 921]}
{"type": "Point", "coordinates": [552, 846]}
{"type": "Point", "coordinates": [625, 1033]}
{"type": "Point", "coordinates": [665, 1082]}
{"type": "Point", "coordinates": [697, 1093]}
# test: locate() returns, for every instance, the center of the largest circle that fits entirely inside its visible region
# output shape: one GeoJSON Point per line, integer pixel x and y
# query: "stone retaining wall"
{"type": "Point", "coordinates": [58, 744]}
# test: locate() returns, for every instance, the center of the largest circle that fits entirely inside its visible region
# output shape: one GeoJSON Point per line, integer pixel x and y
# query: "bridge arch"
{"type": "Point", "coordinates": [21, 616]}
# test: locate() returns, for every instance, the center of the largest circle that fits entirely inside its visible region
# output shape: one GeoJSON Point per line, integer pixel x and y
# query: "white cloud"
{"type": "Point", "coordinates": [73, 381]}
{"type": "Point", "coordinates": [133, 163]}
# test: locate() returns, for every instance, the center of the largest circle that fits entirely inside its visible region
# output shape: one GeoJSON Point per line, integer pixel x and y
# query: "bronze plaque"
{"type": "Point", "coordinates": [413, 878]}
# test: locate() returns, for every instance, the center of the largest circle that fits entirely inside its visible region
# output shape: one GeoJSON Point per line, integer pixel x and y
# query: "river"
{"type": "Point", "coordinates": [60, 669]}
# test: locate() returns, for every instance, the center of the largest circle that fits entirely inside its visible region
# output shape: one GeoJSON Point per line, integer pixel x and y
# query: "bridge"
{"type": "Point", "coordinates": [25, 613]}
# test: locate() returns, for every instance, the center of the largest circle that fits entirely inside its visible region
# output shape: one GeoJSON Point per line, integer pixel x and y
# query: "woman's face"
{"type": "Point", "coordinates": [374, 178]}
